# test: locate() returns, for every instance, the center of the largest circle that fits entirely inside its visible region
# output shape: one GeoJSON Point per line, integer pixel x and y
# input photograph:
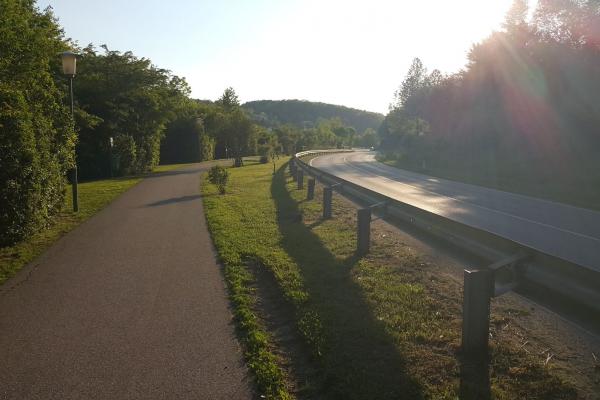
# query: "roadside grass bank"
{"type": "Point", "coordinates": [582, 193]}
{"type": "Point", "coordinates": [379, 327]}
{"type": "Point", "coordinates": [93, 196]}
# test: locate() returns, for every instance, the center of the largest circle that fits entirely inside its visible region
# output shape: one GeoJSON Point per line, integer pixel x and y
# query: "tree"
{"type": "Point", "coordinates": [516, 16]}
{"type": "Point", "coordinates": [229, 100]}
{"type": "Point", "coordinates": [187, 136]}
{"type": "Point", "coordinates": [232, 127]}
{"type": "Point", "coordinates": [267, 145]}
{"type": "Point", "coordinates": [528, 97]}
{"type": "Point", "coordinates": [368, 139]}
{"type": "Point", "coordinates": [131, 98]}
{"type": "Point", "coordinates": [288, 136]}
{"type": "Point", "coordinates": [36, 132]}
{"type": "Point", "coordinates": [414, 81]}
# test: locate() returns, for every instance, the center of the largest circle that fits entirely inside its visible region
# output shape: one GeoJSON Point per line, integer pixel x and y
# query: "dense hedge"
{"type": "Point", "coordinates": [36, 133]}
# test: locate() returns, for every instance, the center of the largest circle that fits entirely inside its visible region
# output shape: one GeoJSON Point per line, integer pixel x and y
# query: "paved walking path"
{"type": "Point", "coordinates": [129, 305]}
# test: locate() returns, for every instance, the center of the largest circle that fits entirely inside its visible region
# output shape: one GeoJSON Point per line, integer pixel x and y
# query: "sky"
{"type": "Point", "coordinates": [353, 53]}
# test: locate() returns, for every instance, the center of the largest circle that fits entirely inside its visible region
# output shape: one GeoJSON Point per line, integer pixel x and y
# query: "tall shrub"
{"type": "Point", "coordinates": [36, 133]}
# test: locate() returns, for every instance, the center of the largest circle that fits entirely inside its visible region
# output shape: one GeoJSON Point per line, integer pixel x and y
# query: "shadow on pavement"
{"type": "Point", "coordinates": [173, 200]}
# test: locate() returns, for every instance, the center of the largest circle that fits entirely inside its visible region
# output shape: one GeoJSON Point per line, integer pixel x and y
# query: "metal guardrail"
{"type": "Point", "coordinates": [519, 264]}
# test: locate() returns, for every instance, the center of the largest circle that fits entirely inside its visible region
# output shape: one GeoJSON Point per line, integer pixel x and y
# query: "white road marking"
{"type": "Point", "coordinates": [349, 163]}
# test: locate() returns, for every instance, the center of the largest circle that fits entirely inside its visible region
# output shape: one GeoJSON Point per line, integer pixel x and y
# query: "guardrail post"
{"type": "Point", "coordinates": [310, 193]}
{"type": "Point", "coordinates": [327, 197]}
{"type": "Point", "coordinates": [363, 231]}
{"type": "Point", "coordinates": [300, 179]}
{"type": "Point", "coordinates": [477, 292]}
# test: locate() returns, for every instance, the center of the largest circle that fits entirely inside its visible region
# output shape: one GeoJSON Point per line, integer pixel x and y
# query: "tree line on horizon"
{"type": "Point", "coordinates": [524, 112]}
{"type": "Point", "coordinates": [303, 113]}
{"type": "Point", "coordinates": [205, 134]}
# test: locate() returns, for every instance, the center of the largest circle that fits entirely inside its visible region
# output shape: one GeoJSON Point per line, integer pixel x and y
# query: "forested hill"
{"type": "Point", "coordinates": [300, 112]}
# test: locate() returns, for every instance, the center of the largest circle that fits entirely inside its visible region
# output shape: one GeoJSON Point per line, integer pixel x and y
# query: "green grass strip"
{"type": "Point", "coordinates": [244, 231]}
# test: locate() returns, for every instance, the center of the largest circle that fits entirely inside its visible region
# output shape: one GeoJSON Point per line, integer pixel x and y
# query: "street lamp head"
{"type": "Point", "coordinates": [69, 63]}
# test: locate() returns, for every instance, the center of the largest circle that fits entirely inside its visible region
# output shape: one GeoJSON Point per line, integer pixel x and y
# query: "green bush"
{"type": "Point", "coordinates": [125, 152]}
{"type": "Point", "coordinates": [36, 131]}
{"type": "Point", "coordinates": [218, 176]}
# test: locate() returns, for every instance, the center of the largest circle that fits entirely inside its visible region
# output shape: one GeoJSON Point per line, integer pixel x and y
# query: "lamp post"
{"type": "Point", "coordinates": [69, 67]}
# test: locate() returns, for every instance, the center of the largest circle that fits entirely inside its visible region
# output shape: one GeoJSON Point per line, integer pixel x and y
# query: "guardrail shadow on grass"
{"type": "Point", "coordinates": [360, 360]}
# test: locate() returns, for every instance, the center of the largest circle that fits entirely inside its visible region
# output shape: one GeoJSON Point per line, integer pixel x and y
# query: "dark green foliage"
{"type": "Point", "coordinates": [186, 139]}
{"type": "Point", "coordinates": [524, 114]}
{"type": "Point", "coordinates": [218, 176]}
{"type": "Point", "coordinates": [229, 100]}
{"type": "Point", "coordinates": [268, 146]}
{"type": "Point", "coordinates": [368, 139]}
{"type": "Point", "coordinates": [128, 97]}
{"type": "Point", "coordinates": [232, 128]}
{"type": "Point", "coordinates": [125, 155]}
{"type": "Point", "coordinates": [204, 130]}
{"type": "Point", "coordinates": [181, 143]}
{"type": "Point", "coordinates": [272, 113]}
{"type": "Point", "coordinates": [328, 133]}
{"type": "Point", "coordinates": [36, 133]}
{"type": "Point", "coordinates": [302, 125]}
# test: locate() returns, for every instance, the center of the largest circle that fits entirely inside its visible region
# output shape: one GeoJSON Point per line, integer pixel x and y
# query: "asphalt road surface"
{"type": "Point", "coordinates": [567, 232]}
{"type": "Point", "coordinates": [129, 305]}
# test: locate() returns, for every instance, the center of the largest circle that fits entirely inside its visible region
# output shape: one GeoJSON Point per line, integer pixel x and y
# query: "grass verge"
{"type": "Point", "coordinates": [378, 327]}
{"type": "Point", "coordinates": [93, 196]}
